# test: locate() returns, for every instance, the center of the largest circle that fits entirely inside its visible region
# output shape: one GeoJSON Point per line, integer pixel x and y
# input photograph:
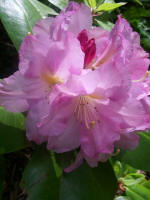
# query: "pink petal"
{"type": "Point", "coordinates": [70, 57]}
{"type": "Point", "coordinates": [60, 125]}
{"type": "Point", "coordinates": [42, 27]}
{"type": "Point", "coordinates": [32, 55]}
{"type": "Point", "coordinates": [38, 110]}
{"type": "Point", "coordinates": [12, 96]}
{"type": "Point", "coordinates": [128, 141]}
{"type": "Point", "coordinates": [74, 19]}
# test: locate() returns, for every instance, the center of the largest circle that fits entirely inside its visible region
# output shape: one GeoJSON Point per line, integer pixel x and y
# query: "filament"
{"type": "Point", "coordinates": [85, 112]}
{"type": "Point", "coordinates": [143, 78]}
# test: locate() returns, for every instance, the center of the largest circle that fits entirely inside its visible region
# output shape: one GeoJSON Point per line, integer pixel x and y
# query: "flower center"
{"type": "Point", "coordinates": [51, 79]}
{"type": "Point", "coordinates": [85, 111]}
{"type": "Point", "coordinates": [88, 47]}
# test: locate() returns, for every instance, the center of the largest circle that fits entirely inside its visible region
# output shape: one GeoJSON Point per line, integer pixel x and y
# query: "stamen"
{"type": "Point", "coordinates": [29, 33]}
{"type": "Point", "coordinates": [143, 78]}
{"type": "Point", "coordinates": [85, 111]}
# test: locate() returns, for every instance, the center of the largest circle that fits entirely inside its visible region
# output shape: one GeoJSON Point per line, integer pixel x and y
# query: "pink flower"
{"type": "Point", "coordinates": [81, 85]}
{"type": "Point", "coordinates": [43, 63]}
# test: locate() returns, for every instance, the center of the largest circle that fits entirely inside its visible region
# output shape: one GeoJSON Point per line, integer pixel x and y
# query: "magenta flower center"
{"type": "Point", "coordinates": [88, 47]}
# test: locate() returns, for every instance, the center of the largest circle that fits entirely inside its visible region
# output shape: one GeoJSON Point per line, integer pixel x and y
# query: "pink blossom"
{"type": "Point", "coordinates": [81, 85]}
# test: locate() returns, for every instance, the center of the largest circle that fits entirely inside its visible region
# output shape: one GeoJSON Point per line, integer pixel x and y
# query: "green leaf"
{"type": "Point", "coordinates": [138, 192]}
{"type": "Point", "coordinates": [122, 169]}
{"type": "Point", "coordinates": [140, 157]}
{"type": "Point", "coordinates": [136, 185]}
{"type": "Point", "coordinates": [86, 183]}
{"type": "Point", "coordinates": [147, 184]}
{"type": "Point", "coordinates": [133, 179]}
{"type": "Point", "coordinates": [109, 6]}
{"type": "Point", "coordinates": [92, 3]}
{"type": "Point", "coordinates": [59, 3]}
{"type": "Point", "coordinates": [139, 2]}
{"type": "Point", "coordinates": [16, 120]}
{"type": "Point", "coordinates": [133, 13]}
{"type": "Point", "coordinates": [12, 131]}
{"type": "Point", "coordinates": [39, 178]}
{"type": "Point", "coordinates": [19, 16]}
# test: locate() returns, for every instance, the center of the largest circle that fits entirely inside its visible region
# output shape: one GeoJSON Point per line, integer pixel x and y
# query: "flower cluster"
{"type": "Point", "coordinates": [82, 86]}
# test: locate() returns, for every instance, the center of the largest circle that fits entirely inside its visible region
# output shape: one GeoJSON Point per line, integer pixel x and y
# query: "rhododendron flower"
{"type": "Point", "coordinates": [82, 86]}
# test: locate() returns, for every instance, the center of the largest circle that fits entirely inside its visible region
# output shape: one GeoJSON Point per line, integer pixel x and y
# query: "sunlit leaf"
{"type": "Point", "coordinates": [109, 6]}
{"type": "Point", "coordinates": [19, 16]}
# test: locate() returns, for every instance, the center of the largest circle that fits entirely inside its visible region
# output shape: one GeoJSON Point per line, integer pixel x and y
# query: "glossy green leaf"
{"type": "Point", "coordinates": [19, 16]}
{"type": "Point", "coordinates": [86, 183]}
{"type": "Point", "coordinates": [140, 157]}
{"type": "Point", "coordinates": [59, 3]}
{"type": "Point", "coordinates": [12, 131]}
{"type": "Point", "coordinates": [133, 179]}
{"type": "Point", "coordinates": [109, 6]}
{"type": "Point", "coordinates": [138, 192]}
{"type": "Point", "coordinates": [39, 178]}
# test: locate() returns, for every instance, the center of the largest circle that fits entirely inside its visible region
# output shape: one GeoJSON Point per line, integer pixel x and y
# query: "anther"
{"type": "Point", "coordinates": [92, 123]}
{"type": "Point", "coordinates": [143, 78]}
{"type": "Point", "coordinates": [93, 68]}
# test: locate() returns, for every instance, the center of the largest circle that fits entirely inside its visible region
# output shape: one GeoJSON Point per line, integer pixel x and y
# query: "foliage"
{"type": "Point", "coordinates": [43, 177]}
{"type": "Point", "coordinates": [12, 127]}
{"type": "Point", "coordinates": [133, 182]}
